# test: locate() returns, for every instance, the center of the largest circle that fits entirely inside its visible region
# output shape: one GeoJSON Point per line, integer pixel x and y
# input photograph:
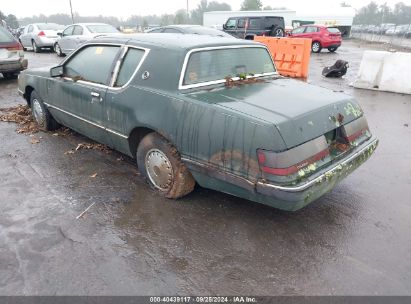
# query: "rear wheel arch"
{"type": "Point", "coordinates": [27, 94]}
{"type": "Point", "coordinates": [136, 136]}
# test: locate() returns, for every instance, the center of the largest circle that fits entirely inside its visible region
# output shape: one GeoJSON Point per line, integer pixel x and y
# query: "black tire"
{"type": "Point", "coordinates": [332, 49]}
{"type": "Point", "coordinates": [58, 51]}
{"type": "Point", "coordinates": [46, 122]}
{"type": "Point", "coordinates": [316, 47]}
{"type": "Point", "coordinates": [277, 31]}
{"type": "Point", "coordinates": [36, 49]}
{"type": "Point", "coordinates": [168, 174]}
{"type": "Point", "coordinates": [10, 75]}
{"type": "Point", "coordinates": [24, 49]}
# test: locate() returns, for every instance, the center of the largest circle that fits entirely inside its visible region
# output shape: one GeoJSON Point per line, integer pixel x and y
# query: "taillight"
{"type": "Point", "coordinates": [293, 160]}
{"type": "Point", "coordinates": [41, 34]}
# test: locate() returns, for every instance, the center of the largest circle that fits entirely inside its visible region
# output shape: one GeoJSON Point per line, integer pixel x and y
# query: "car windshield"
{"type": "Point", "coordinates": [218, 64]}
{"type": "Point", "coordinates": [48, 27]}
{"type": "Point", "coordinates": [5, 36]}
{"type": "Point", "coordinates": [333, 30]}
{"type": "Point", "coordinates": [102, 28]}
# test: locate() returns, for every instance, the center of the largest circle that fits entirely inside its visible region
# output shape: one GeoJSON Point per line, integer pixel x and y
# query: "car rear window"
{"type": "Point", "coordinates": [199, 30]}
{"type": "Point", "coordinates": [5, 36]}
{"type": "Point", "coordinates": [217, 64]}
{"type": "Point", "coordinates": [102, 28]}
{"type": "Point", "coordinates": [48, 27]}
{"type": "Point", "coordinates": [333, 30]}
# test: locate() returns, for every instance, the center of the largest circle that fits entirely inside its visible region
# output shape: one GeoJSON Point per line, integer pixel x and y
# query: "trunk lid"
{"type": "Point", "coordinates": [298, 110]}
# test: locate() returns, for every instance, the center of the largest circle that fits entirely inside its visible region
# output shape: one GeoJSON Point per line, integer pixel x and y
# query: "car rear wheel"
{"type": "Point", "coordinates": [35, 47]}
{"type": "Point", "coordinates": [332, 49]}
{"type": "Point", "coordinates": [160, 163]}
{"type": "Point", "coordinates": [58, 51]}
{"type": "Point", "coordinates": [316, 47]}
{"type": "Point", "coordinates": [41, 115]}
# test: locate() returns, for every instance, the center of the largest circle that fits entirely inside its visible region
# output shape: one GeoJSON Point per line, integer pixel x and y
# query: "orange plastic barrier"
{"type": "Point", "coordinates": [291, 55]}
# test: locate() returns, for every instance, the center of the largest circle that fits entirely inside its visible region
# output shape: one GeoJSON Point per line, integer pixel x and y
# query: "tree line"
{"type": "Point", "coordinates": [195, 16]}
{"type": "Point", "coordinates": [374, 14]}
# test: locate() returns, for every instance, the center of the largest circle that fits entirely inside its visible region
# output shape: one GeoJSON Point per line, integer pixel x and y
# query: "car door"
{"type": "Point", "coordinates": [298, 32]}
{"type": "Point", "coordinates": [26, 37]}
{"type": "Point", "coordinates": [230, 26]}
{"type": "Point", "coordinates": [311, 32]}
{"type": "Point", "coordinates": [241, 28]}
{"type": "Point", "coordinates": [78, 97]}
{"type": "Point", "coordinates": [65, 40]}
{"type": "Point", "coordinates": [77, 38]}
{"type": "Point", "coordinates": [254, 26]}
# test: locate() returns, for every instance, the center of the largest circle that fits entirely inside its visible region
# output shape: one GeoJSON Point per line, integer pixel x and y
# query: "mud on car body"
{"type": "Point", "coordinates": [204, 110]}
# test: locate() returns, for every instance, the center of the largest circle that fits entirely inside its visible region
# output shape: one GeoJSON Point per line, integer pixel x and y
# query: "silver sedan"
{"type": "Point", "coordinates": [76, 34]}
{"type": "Point", "coordinates": [40, 35]}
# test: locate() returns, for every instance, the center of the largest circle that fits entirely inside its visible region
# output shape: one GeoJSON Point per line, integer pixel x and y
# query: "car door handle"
{"type": "Point", "coordinates": [94, 94]}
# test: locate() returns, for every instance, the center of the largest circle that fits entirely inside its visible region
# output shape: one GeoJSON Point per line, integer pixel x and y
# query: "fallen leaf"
{"type": "Point", "coordinates": [34, 141]}
{"type": "Point", "coordinates": [69, 152]}
{"type": "Point", "coordinates": [94, 175]}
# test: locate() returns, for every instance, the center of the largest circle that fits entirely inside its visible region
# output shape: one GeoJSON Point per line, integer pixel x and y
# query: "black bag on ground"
{"type": "Point", "coordinates": [339, 69]}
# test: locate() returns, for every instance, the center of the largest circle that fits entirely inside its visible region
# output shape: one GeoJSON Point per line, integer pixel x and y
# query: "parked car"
{"type": "Point", "coordinates": [11, 55]}
{"type": "Point", "coordinates": [248, 27]}
{"type": "Point", "coordinates": [189, 29]}
{"type": "Point", "coordinates": [321, 36]}
{"type": "Point", "coordinates": [76, 34]}
{"type": "Point", "coordinates": [207, 110]}
{"type": "Point", "coordinates": [40, 35]}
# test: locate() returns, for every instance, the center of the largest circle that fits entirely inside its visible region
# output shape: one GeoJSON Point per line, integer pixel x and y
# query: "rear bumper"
{"type": "Point", "coordinates": [297, 196]}
{"type": "Point", "coordinates": [328, 44]}
{"type": "Point", "coordinates": [13, 66]}
{"type": "Point", "coordinates": [46, 42]}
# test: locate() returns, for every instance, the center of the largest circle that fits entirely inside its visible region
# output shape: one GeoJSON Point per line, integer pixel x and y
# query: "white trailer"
{"type": "Point", "coordinates": [216, 19]}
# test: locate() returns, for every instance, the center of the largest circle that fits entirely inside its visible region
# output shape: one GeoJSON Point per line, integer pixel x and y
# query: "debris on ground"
{"type": "Point", "coordinates": [84, 212]}
{"type": "Point", "coordinates": [89, 146]}
{"type": "Point", "coordinates": [337, 70]}
{"type": "Point", "coordinates": [94, 175]}
{"type": "Point", "coordinates": [35, 141]}
{"type": "Point", "coordinates": [62, 132]}
{"type": "Point", "coordinates": [20, 114]}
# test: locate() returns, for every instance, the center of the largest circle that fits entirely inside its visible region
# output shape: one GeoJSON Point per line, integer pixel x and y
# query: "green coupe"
{"type": "Point", "coordinates": [208, 110]}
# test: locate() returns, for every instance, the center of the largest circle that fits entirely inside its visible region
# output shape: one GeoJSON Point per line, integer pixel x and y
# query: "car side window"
{"type": "Point", "coordinates": [128, 66]}
{"type": "Point", "coordinates": [254, 23]}
{"type": "Point", "coordinates": [68, 31]}
{"type": "Point", "coordinates": [241, 23]}
{"type": "Point", "coordinates": [171, 30]}
{"type": "Point", "coordinates": [231, 23]}
{"type": "Point", "coordinates": [92, 63]}
{"type": "Point", "coordinates": [160, 30]}
{"type": "Point", "coordinates": [298, 30]}
{"type": "Point", "coordinates": [78, 30]}
{"type": "Point", "coordinates": [311, 29]}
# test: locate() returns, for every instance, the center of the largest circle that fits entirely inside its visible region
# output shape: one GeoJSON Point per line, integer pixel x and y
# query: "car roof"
{"type": "Point", "coordinates": [175, 41]}
{"type": "Point", "coordinates": [90, 23]}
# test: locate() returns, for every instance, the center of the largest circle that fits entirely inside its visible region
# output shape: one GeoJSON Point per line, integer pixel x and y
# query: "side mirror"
{"type": "Point", "coordinates": [56, 71]}
{"type": "Point", "coordinates": [60, 34]}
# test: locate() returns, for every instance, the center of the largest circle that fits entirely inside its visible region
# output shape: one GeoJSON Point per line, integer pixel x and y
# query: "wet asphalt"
{"type": "Point", "coordinates": [355, 240]}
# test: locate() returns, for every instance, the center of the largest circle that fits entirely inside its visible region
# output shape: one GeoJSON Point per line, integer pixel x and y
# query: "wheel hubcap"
{"type": "Point", "coordinates": [38, 112]}
{"type": "Point", "coordinates": [279, 33]}
{"type": "Point", "coordinates": [57, 48]}
{"type": "Point", "coordinates": [159, 169]}
{"type": "Point", "coordinates": [316, 47]}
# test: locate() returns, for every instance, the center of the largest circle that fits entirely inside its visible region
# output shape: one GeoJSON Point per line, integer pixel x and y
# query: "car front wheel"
{"type": "Point", "coordinates": [160, 163]}
{"type": "Point", "coordinates": [316, 47]}
{"type": "Point", "coordinates": [41, 114]}
{"type": "Point", "coordinates": [58, 51]}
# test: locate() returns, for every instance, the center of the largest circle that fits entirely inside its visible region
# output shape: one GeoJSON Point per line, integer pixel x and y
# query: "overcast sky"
{"type": "Point", "coordinates": [125, 8]}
